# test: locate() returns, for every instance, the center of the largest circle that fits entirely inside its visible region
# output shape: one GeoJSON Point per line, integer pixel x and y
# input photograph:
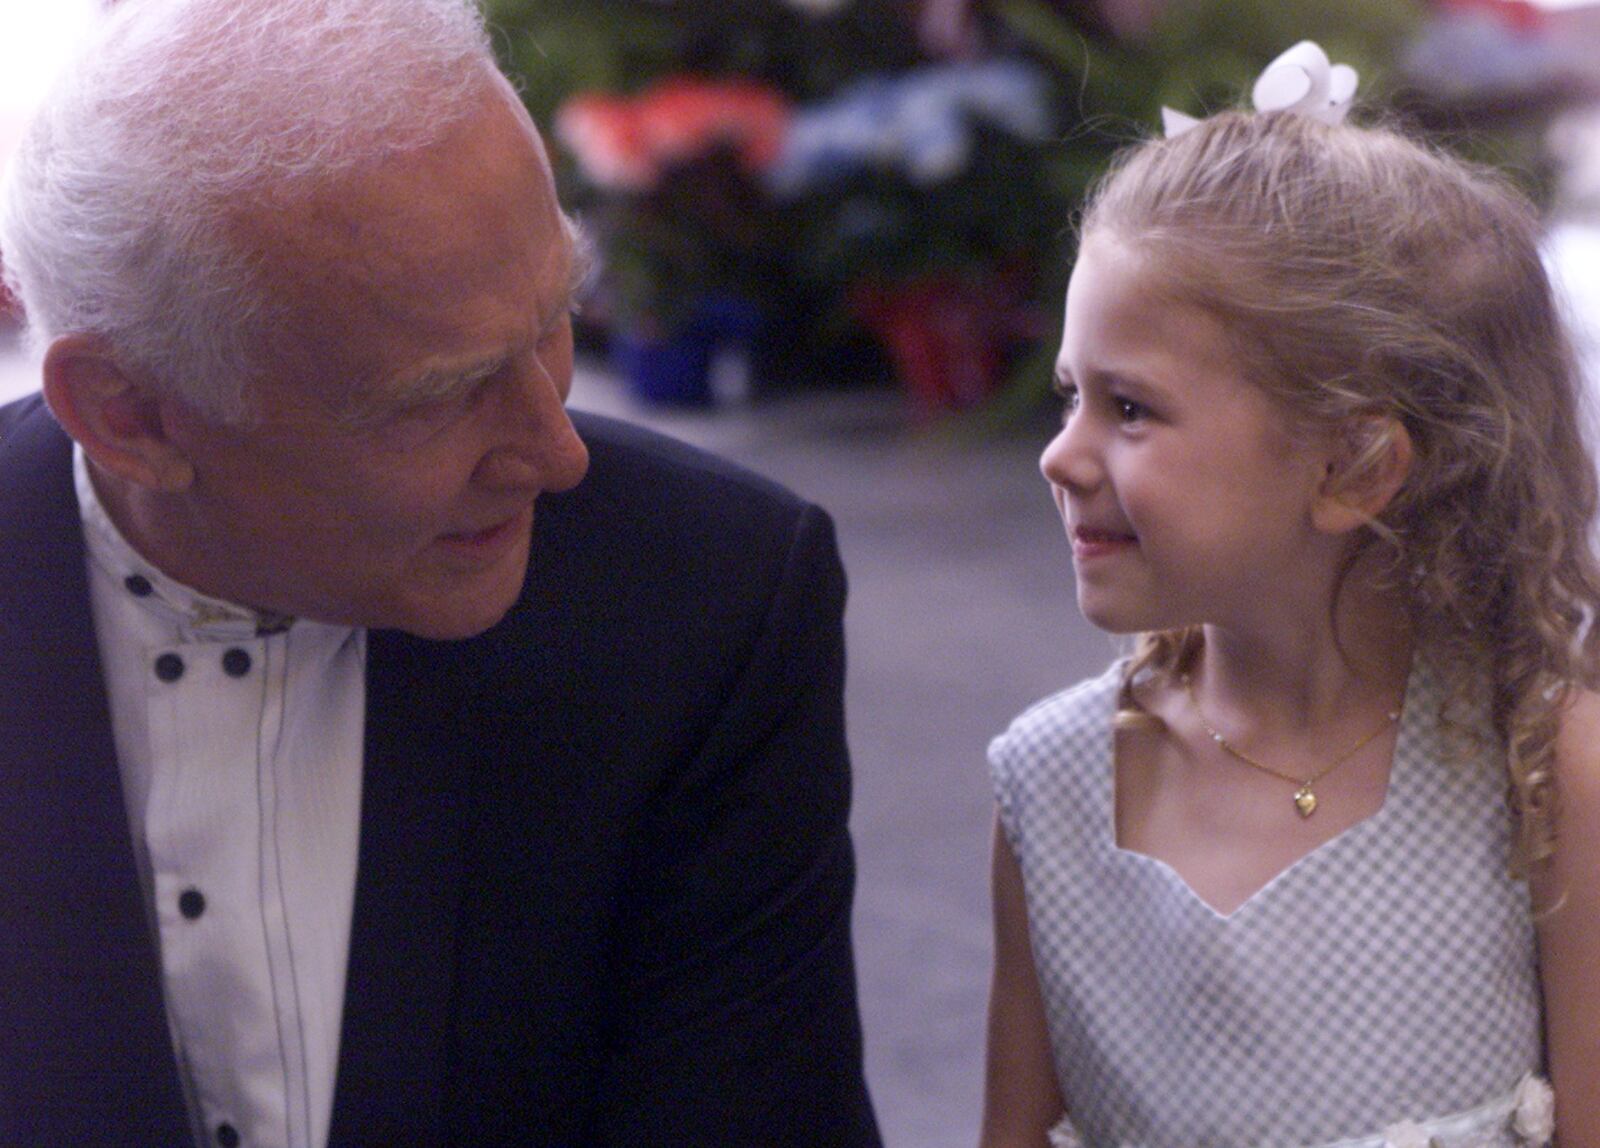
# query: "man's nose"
{"type": "Point", "coordinates": [536, 446]}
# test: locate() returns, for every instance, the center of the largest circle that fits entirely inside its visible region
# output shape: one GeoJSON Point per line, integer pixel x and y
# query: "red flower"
{"type": "Point", "coordinates": [1518, 15]}
{"type": "Point", "coordinates": [627, 143]}
{"type": "Point", "coordinates": [606, 135]}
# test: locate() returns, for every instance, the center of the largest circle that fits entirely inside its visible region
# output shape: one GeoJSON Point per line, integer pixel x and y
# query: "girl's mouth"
{"type": "Point", "coordinates": [1089, 543]}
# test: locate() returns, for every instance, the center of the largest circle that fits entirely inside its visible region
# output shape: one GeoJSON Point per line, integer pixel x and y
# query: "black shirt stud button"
{"type": "Point", "coordinates": [236, 662]}
{"type": "Point", "coordinates": [138, 585]}
{"type": "Point", "coordinates": [191, 903]}
{"type": "Point", "coordinates": [169, 667]}
{"type": "Point", "coordinates": [227, 1136]}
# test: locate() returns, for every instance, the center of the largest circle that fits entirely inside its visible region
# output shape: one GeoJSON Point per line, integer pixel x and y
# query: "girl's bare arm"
{"type": "Point", "coordinates": [1021, 1097]}
{"type": "Point", "coordinates": [1569, 929]}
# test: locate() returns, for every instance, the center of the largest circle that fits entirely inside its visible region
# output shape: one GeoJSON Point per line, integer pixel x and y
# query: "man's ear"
{"type": "Point", "coordinates": [1367, 467]}
{"type": "Point", "coordinates": [119, 422]}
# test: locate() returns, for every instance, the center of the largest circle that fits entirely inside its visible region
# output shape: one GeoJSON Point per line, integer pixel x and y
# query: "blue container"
{"type": "Point", "coordinates": [673, 370]}
{"type": "Point", "coordinates": [723, 318]}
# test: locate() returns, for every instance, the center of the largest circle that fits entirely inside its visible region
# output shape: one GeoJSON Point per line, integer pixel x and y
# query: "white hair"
{"type": "Point", "coordinates": [116, 209]}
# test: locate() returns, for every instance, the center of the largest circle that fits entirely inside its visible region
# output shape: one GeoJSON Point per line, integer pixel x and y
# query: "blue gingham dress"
{"type": "Point", "coordinates": [1387, 977]}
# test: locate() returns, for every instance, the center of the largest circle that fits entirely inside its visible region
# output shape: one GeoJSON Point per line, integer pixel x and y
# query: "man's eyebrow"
{"type": "Point", "coordinates": [372, 407]}
{"type": "Point", "coordinates": [441, 383]}
{"type": "Point", "coordinates": [435, 385]}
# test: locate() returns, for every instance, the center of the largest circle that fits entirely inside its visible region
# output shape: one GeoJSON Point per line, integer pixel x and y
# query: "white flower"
{"type": "Point", "coordinates": [1304, 80]}
{"type": "Point", "coordinates": [1301, 80]}
{"type": "Point", "coordinates": [1406, 1134]}
{"type": "Point", "coordinates": [1535, 1115]}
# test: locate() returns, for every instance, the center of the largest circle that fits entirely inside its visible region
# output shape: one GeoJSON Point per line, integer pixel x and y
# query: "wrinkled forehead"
{"type": "Point", "coordinates": [483, 171]}
{"type": "Point", "coordinates": [432, 247]}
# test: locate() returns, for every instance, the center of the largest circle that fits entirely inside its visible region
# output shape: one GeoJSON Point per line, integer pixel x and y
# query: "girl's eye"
{"type": "Point", "coordinates": [1069, 396]}
{"type": "Point", "coordinates": [1129, 411]}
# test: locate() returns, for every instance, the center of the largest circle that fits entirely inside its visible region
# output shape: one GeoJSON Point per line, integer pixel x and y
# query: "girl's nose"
{"type": "Point", "coordinates": [1069, 460]}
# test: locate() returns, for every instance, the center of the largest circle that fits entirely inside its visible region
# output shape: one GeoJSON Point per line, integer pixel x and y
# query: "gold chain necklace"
{"type": "Point", "coordinates": [1305, 801]}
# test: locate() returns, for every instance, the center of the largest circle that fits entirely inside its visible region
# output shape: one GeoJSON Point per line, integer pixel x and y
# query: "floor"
{"type": "Point", "coordinates": [960, 614]}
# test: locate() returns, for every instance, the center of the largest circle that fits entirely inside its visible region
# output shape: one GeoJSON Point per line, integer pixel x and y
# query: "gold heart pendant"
{"type": "Point", "coordinates": [1305, 801]}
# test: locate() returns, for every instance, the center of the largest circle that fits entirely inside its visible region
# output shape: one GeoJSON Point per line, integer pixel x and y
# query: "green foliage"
{"type": "Point", "coordinates": [705, 229]}
{"type": "Point", "coordinates": [880, 225]}
{"type": "Point", "coordinates": [1203, 55]}
{"type": "Point", "coordinates": [1210, 51]}
{"type": "Point", "coordinates": [560, 47]}
{"type": "Point", "coordinates": [708, 227]}
{"type": "Point", "coordinates": [1200, 56]}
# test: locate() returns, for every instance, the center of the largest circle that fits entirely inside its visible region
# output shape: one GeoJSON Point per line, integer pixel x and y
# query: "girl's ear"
{"type": "Point", "coordinates": [119, 423]}
{"type": "Point", "coordinates": [1366, 469]}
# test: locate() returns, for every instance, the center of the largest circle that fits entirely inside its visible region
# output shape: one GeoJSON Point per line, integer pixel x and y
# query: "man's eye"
{"type": "Point", "coordinates": [432, 410]}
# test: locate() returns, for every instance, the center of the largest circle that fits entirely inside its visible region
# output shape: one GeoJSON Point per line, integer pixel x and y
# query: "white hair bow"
{"type": "Point", "coordinates": [1301, 80]}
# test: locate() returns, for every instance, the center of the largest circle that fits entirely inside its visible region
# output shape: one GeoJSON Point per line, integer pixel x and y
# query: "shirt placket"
{"type": "Point", "coordinates": [214, 712]}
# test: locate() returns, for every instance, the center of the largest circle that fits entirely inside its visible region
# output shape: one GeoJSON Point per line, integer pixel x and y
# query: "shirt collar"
{"type": "Point", "coordinates": [196, 613]}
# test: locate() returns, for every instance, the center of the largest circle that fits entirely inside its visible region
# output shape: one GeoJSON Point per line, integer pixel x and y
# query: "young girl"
{"type": "Point", "coordinates": [1319, 862]}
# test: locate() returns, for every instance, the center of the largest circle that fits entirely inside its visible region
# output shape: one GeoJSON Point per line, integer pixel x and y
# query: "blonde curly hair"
{"type": "Point", "coordinates": [1361, 273]}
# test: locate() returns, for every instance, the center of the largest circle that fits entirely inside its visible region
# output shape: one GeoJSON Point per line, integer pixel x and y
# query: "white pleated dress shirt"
{"type": "Point", "coordinates": [239, 739]}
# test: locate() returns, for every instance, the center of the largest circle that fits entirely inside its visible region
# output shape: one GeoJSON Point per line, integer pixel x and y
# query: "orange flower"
{"type": "Point", "coordinates": [606, 136]}
{"type": "Point", "coordinates": [627, 143]}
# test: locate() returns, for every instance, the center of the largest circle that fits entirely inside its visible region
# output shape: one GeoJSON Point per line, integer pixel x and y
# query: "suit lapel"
{"type": "Point", "coordinates": [85, 1053]}
{"type": "Point", "coordinates": [395, 1044]}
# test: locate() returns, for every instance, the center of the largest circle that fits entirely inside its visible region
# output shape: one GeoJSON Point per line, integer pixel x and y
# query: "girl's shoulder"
{"type": "Point", "coordinates": [1085, 710]}
{"type": "Point", "coordinates": [1569, 925]}
{"type": "Point", "coordinates": [1577, 813]}
{"type": "Point", "coordinates": [1577, 751]}
{"type": "Point", "coordinates": [1055, 757]}
{"type": "Point", "coordinates": [1580, 724]}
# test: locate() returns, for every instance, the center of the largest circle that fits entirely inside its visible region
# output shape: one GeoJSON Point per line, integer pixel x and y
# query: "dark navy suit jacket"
{"type": "Point", "coordinates": [604, 886]}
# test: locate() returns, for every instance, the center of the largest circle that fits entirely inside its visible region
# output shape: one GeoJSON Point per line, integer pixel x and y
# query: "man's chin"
{"type": "Point", "coordinates": [464, 606]}
{"type": "Point", "coordinates": [452, 608]}
{"type": "Point", "coordinates": [464, 614]}
{"type": "Point", "coordinates": [456, 622]}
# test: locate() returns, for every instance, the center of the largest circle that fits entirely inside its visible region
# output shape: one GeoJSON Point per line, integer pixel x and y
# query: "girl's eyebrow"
{"type": "Point", "coordinates": [1124, 380]}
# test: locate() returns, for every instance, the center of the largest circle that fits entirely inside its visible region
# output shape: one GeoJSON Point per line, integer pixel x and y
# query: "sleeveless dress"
{"type": "Point", "coordinates": [1381, 990]}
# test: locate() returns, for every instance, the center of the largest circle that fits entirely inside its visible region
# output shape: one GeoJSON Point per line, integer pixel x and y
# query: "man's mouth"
{"type": "Point", "coordinates": [479, 537]}
{"type": "Point", "coordinates": [488, 538]}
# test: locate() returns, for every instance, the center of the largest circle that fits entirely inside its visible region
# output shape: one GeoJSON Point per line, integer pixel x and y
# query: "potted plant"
{"type": "Point", "coordinates": [688, 235]}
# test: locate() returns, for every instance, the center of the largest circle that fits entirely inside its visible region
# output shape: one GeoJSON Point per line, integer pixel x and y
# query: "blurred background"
{"type": "Point", "coordinates": [835, 238]}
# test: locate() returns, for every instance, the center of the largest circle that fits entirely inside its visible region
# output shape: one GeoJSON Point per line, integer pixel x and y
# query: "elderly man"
{"type": "Point", "coordinates": [387, 756]}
